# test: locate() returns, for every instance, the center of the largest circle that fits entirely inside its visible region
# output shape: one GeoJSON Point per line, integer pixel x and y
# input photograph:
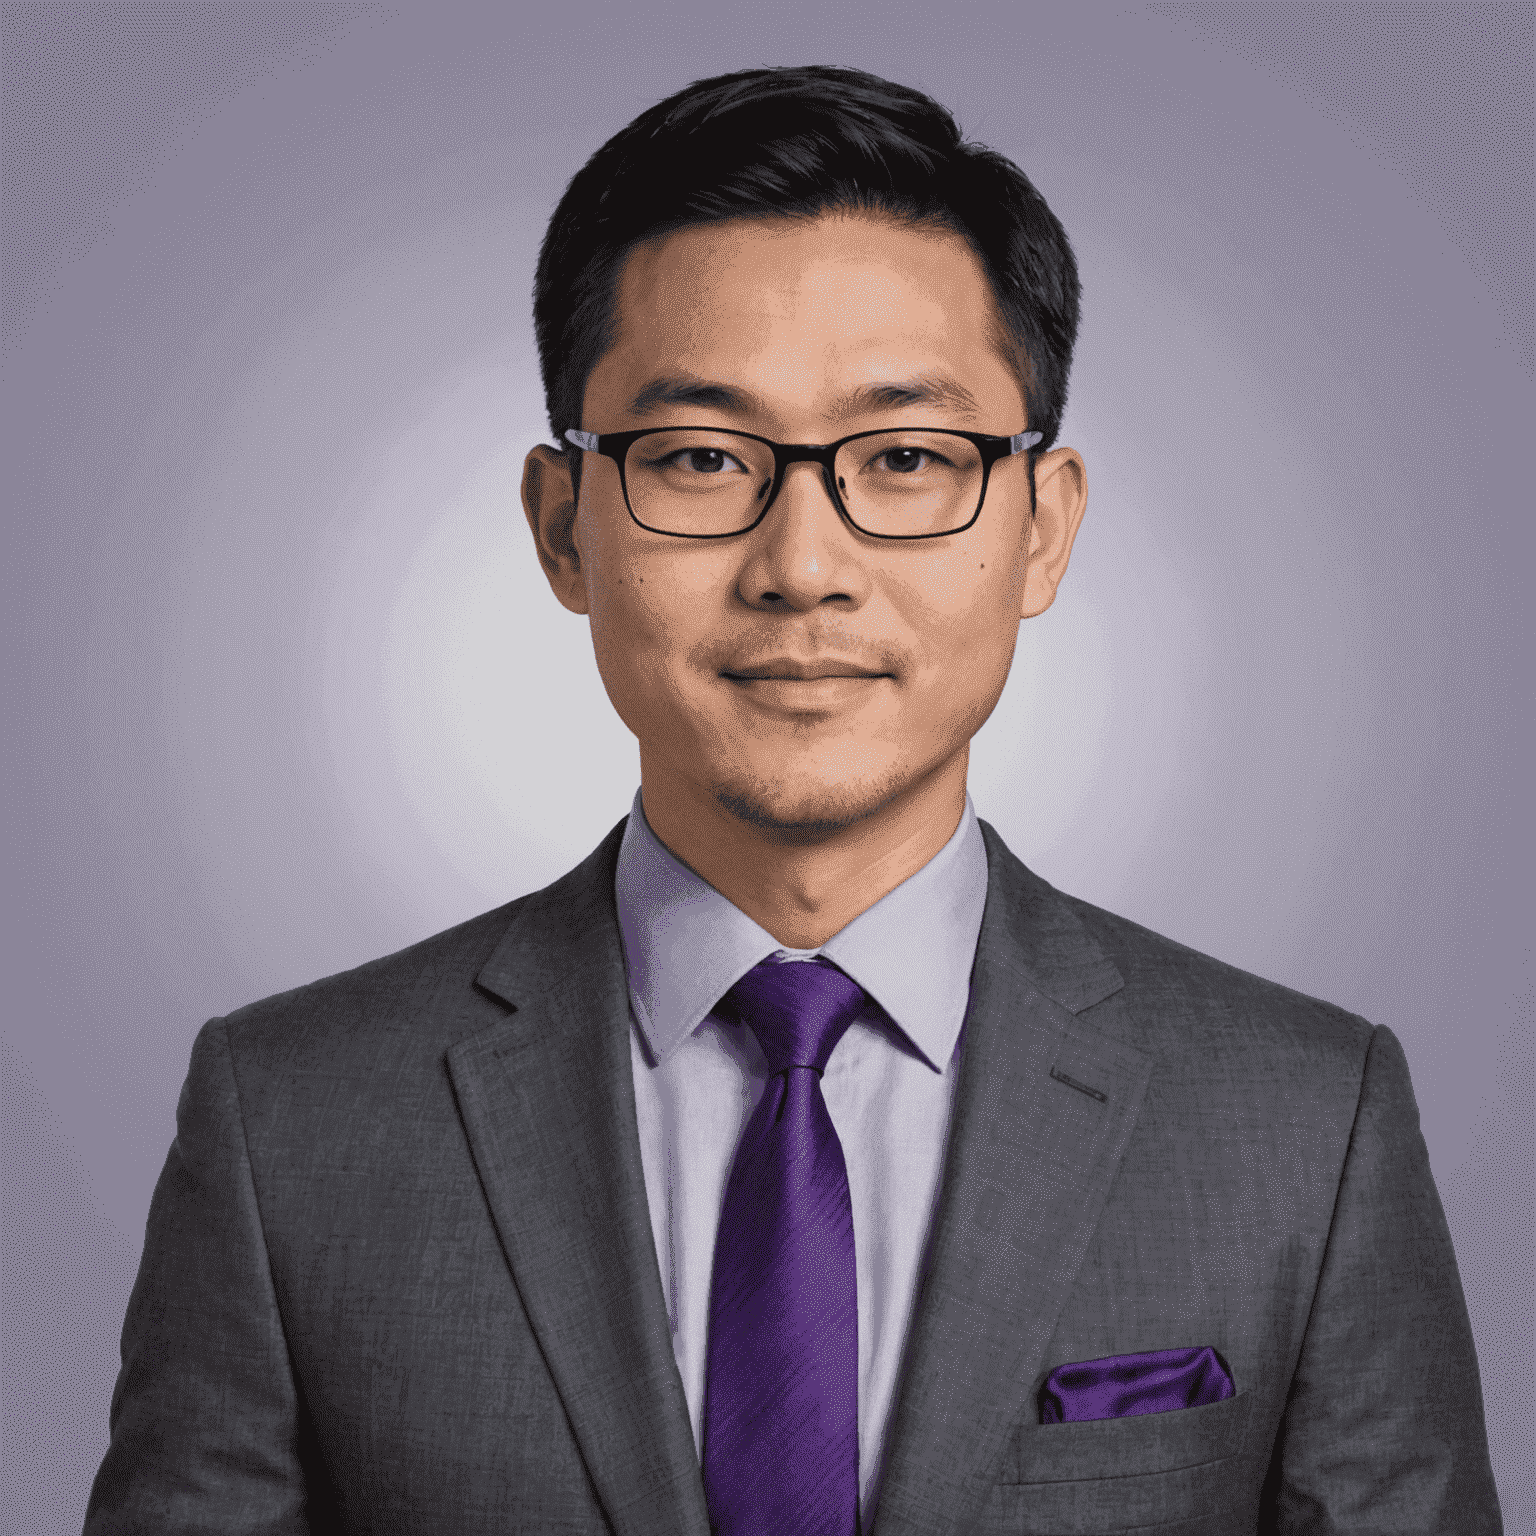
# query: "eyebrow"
{"type": "Point", "coordinates": [926, 389]}
{"type": "Point", "coordinates": [681, 390]}
{"type": "Point", "coordinates": [933, 389]}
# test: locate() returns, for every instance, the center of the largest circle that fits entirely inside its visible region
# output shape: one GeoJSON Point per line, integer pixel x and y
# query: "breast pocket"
{"type": "Point", "coordinates": [1168, 1473]}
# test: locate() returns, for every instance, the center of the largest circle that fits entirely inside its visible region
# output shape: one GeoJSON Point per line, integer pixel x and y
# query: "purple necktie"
{"type": "Point", "coordinates": [781, 1390]}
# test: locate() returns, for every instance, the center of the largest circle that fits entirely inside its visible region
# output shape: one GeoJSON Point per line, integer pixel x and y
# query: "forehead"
{"type": "Point", "coordinates": [796, 310]}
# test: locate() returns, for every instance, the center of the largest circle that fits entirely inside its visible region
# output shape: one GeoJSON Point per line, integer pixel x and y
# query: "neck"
{"type": "Point", "coordinates": [804, 891]}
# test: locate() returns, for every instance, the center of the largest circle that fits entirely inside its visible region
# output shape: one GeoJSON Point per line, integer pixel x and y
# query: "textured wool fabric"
{"type": "Point", "coordinates": [781, 1415]}
{"type": "Point", "coordinates": [399, 1274]}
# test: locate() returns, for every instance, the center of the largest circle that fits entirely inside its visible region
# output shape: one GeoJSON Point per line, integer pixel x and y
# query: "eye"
{"type": "Point", "coordinates": [702, 461]}
{"type": "Point", "coordinates": [908, 459]}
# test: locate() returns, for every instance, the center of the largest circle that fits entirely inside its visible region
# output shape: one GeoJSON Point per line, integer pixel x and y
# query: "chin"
{"type": "Point", "coordinates": [806, 809]}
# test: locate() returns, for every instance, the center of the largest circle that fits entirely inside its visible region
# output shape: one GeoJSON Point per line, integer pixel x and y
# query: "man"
{"type": "Point", "coordinates": [800, 1162]}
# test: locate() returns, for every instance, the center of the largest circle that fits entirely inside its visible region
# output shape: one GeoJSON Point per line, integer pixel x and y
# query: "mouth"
{"type": "Point", "coordinates": [786, 670]}
{"type": "Point", "coordinates": [803, 691]}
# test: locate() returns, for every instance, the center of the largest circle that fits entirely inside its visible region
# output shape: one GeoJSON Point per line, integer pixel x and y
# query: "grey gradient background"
{"type": "Point", "coordinates": [286, 690]}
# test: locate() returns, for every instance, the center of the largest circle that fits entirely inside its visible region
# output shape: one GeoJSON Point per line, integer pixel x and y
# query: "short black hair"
{"type": "Point", "coordinates": [796, 142]}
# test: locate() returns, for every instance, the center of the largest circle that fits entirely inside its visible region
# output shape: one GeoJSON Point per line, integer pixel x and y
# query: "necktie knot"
{"type": "Point", "coordinates": [798, 1010]}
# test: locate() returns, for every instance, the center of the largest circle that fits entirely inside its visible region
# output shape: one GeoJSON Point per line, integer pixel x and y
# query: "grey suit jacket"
{"type": "Point", "coordinates": [399, 1274]}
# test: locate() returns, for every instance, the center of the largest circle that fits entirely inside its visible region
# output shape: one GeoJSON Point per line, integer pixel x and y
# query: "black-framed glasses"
{"type": "Point", "coordinates": [893, 483]}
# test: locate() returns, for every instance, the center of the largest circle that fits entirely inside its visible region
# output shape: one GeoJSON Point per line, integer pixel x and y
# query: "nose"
{"type": "Point", "coordinates": [803, 553]}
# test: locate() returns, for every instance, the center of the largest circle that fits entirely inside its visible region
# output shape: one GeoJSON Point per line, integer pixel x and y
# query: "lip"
{"type": "Point", "coordinates": [825, 696]}
{"type": "Point", "coordinates": [786, 669]}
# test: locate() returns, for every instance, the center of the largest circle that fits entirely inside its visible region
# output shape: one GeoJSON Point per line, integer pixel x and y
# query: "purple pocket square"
{"type": "Point", "coordinates": [1121, 1385]}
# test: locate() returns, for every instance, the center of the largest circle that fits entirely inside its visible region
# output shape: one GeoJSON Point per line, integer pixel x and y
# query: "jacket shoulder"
{"type": "Point", "coordinates": [386, 1015]}
{"type": "Point", "coordinates": [1167, 998]}
{"type": "Point", "coordinates": [425, 989]}
{"type": "Point", "coordinates": [1195, 1002]}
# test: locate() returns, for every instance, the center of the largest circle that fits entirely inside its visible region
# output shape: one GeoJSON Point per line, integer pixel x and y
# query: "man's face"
{"type": "Point", "coordinates": [803, 675]}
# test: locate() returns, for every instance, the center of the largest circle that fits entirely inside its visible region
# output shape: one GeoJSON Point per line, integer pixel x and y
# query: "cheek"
{"type": "Point", "coordinates": [628, 630]}
{"type": "Point", "coordinates": [966, 614]}
{"type": "Point", "coordinates": [645, 619]}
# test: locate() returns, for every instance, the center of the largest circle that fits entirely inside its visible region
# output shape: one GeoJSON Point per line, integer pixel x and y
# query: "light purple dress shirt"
{"type": "Point", "coordinates": [888, 1090]}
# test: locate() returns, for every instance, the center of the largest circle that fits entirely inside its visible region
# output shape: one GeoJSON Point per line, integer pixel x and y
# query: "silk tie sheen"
{"type": "Point", "coordinates": [781, 1394]}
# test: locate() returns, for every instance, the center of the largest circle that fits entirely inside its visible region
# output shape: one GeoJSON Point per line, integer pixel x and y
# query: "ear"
{"type": "Point", "coordinates": [550, 507]}
{"type": "Point", "coordinates": [1061, 498]}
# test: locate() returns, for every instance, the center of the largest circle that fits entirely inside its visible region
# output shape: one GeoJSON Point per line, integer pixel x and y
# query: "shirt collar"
{"type": "Point", "coordinates": [686, 945]}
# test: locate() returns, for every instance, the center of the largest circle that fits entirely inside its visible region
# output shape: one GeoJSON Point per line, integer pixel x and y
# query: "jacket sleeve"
{"type": "Point", "coordinates": [205, 1421]}
{"type": "Point", "coordinates": [1383, 1429]}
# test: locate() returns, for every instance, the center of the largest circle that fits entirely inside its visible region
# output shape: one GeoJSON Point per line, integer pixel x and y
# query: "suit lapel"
{"type": "Point", "coordinates": [547, 1099]}
{"type": "Point", "coordinates": [1043, 1108]}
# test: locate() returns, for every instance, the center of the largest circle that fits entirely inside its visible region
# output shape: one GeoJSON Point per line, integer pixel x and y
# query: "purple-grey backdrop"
{"type": "Point", "coordinates": [286, 689]}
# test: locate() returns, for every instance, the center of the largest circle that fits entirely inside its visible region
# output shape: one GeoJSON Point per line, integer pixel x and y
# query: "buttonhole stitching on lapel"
{"type": "Point", "coordinates": [1072, 1082]}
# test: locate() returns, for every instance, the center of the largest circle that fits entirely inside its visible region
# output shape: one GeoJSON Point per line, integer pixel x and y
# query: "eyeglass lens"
{"type": "Point", "coordinates": [895, 484]}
